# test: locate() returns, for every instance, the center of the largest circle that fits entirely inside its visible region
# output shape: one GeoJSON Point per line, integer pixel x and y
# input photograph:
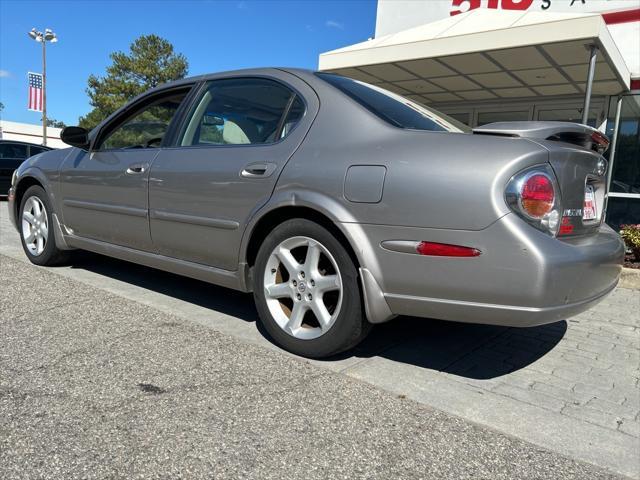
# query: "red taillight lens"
{"type": "Point", "coordinates": [446, 250]}
{"type": "Point", "coordinates": [537, 195]}
{"type": "Point", "coordinates": [600, 141]}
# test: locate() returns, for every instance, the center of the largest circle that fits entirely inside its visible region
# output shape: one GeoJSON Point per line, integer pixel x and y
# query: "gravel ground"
{"type": "Point", "coordinates": [96, 386]}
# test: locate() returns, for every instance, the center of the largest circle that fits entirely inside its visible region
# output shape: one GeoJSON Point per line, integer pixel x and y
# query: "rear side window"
{"type": "Point", "coordinates": [392, 108]}
{"type": "Point", "coordinates": [13, 150]}
{"type": "Point", "coordinates": [37, 150]}
{"type": "Point", "coordinates": [243, 111]}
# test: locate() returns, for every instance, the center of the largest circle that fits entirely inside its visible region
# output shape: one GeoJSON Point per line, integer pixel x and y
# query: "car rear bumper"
{"type": "Point", "coordinates": [522, 278]}
{"type": "Point", "coordinates": [491, 314]}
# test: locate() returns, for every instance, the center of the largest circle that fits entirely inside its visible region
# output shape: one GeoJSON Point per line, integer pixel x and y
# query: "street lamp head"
{"type": "Point", "coordinates": [47, 36]}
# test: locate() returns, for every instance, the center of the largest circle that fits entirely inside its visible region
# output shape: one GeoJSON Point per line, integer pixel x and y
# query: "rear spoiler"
{"type": "Point", "coordinates": [583, 136]}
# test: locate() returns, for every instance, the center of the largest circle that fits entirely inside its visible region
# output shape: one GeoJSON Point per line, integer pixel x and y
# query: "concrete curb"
{"type": "Point", "coordinates": [630, 278]}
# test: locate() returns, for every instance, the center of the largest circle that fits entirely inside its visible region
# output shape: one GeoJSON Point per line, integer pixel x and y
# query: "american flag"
{"type": "Point", "coordinates": [35, 92]}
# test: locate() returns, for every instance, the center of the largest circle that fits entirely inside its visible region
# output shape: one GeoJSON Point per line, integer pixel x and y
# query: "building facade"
{"type": "Point", "coordinates": [483, 61]}
{"type": "Point", "coordinates": [27, 132]}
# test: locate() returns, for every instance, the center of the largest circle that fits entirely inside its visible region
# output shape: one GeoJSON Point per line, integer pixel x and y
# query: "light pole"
{"type": "Point", "coordinates": [47, 36]}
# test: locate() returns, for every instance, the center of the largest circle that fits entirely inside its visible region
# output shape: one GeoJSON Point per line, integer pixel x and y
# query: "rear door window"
{"type": "Point", "coordinates": [37, 150]}
{"type": "Point", "coordinates": [243, 111]}
{"type": "Point", "coordinates": [13, 150]}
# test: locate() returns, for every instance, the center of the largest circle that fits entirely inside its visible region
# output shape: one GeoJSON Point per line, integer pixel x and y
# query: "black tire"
{"type": "Point", "coordinates": [51, 255]}
{"type": "Point", "coordinates": [350, 326]}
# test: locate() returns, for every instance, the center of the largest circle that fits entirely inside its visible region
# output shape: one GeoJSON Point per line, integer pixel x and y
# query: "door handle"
{"type": "Point", "coordinates": [136, 168]}
{"type": "Point", "coordinates": [255, 170]}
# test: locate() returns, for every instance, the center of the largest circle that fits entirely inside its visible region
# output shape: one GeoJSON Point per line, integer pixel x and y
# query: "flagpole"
{"type": "Point", "coordinates": [44, 37]}
{"type": "Point", "coordinates": [44, 93]}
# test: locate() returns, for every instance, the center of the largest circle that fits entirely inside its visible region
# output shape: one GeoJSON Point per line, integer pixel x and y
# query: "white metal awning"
{"type": "Point", "coordinates": [485, 55]}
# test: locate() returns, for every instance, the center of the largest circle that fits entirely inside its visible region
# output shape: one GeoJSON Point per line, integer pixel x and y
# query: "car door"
{"type": "Point", "coordinates": [104, 191]}
{"type": "Point", "coordinates": [227, 157]}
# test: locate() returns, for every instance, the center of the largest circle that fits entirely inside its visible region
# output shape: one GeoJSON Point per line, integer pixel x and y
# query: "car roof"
{"type": "Point", "coordinates": [241, 72]}
{"type": "Point", "coordinates": [249, 72]}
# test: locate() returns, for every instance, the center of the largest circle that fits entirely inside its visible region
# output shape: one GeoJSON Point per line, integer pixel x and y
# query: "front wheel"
{"type": "Point", "coordinates": [36, 229]}
{"type": "Point", "coordinates": [306, 291]}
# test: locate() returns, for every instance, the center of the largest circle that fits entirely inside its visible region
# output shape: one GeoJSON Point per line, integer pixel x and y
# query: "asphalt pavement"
{"type": "Point", "coordinates": [93, 385]}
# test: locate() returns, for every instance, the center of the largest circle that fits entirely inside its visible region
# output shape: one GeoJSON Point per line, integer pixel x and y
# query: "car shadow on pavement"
{"type": "Point", "coordinates": [466, 350]}
{"type": "Point", "coordinates": [196, 292]}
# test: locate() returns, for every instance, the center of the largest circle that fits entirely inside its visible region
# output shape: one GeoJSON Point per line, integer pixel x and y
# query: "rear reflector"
{"type": "Point", "coordinates": [446, 250]}
{"type": "Point", "coordinates": [565, 229]}
{"type": "Point", "coordinates": [565, 226]}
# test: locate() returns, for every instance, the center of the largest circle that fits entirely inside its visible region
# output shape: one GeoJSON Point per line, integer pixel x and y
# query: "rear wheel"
{"type": "Point", "coordinates": [306, 291]}
{"type": "Point", "coordinates": [36, 229]}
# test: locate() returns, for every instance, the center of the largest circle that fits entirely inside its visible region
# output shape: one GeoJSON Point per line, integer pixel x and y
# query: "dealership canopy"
{"type": "Point", "coordinates": [483, 55]}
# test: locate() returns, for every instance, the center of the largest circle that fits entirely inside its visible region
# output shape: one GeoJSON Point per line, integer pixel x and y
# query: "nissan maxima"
{"type": "Point", "coordinates": [337, 203]}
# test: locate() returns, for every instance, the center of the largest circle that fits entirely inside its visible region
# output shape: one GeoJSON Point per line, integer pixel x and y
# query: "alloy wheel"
{"type": "Point", "coordinates": [303, 287]}
{"type": "Point", "coordinates": [35, 225]}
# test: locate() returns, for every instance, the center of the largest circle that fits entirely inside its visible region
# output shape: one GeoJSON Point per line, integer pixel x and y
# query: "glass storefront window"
{"type": "Point", "coordinates": [567, 115]}
{"type": "Point", "coordinates": [626, 163]}
{"type": "Point", "coordinates": [461, 117]}
{"type": "Point", "coordinates": [490, 117]}
{"type": "Point", "coordinates": [622, 211]}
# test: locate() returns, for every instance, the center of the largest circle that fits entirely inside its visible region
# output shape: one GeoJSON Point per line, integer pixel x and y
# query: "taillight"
{"type": "Point", "coordinates": [600, 142]}
{"type": "Point", "coordinates": [534, 195]}
{"type": "Point", "coordinates": [537, 195]}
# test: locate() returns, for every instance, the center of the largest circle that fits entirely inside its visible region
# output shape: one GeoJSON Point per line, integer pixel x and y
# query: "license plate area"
{"type": "Point", "coordinates": [590, 208]}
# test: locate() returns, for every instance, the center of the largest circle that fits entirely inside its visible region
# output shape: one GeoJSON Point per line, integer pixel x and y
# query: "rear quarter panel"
{"type": "Point", "coordinates": [433, 179]}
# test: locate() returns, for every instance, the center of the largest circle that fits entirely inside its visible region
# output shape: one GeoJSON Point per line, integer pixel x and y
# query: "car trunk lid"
{"type": "Point", "coordinates": [575, 154]}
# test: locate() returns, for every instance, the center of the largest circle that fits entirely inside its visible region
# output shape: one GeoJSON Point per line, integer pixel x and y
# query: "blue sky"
{"type": "Point", "coordinates": [214, 35]}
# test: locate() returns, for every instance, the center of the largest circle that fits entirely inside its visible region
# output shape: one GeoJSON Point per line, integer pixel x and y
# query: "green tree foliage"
{"type": "Point", "coordinates": [151, 61]}
{"type": "Point", "coordinates": [52, 122]}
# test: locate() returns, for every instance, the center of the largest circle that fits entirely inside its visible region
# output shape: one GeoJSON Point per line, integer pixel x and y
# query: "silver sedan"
{"type": "Point", "coordinates": [337, 203]}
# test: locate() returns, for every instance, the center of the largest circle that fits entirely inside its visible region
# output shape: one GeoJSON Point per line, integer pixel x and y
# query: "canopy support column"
{"type": "Point", "coordinates": [612, 154]}
{"type": "Point", "coordinates": [593, 54]}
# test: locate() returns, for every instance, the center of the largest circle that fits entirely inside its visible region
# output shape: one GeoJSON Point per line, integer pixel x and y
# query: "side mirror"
{"type": "Point", "coordinates": [76, 137]}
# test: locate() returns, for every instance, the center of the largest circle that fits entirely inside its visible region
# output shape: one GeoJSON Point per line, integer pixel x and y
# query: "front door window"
{"type": "Point", "coordinates": [145, 128]}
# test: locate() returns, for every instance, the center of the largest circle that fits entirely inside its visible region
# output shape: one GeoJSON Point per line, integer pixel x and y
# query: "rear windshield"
{"type": "Point", "coordinates": [393, 108]}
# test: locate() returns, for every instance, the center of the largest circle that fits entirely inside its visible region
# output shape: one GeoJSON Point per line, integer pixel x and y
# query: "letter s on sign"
{"type": "Point", "coordinates": [458, 3]}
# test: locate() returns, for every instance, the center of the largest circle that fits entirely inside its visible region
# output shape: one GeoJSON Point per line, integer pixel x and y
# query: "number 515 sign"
{"type": "Point", "coordinates": [584, 6]}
